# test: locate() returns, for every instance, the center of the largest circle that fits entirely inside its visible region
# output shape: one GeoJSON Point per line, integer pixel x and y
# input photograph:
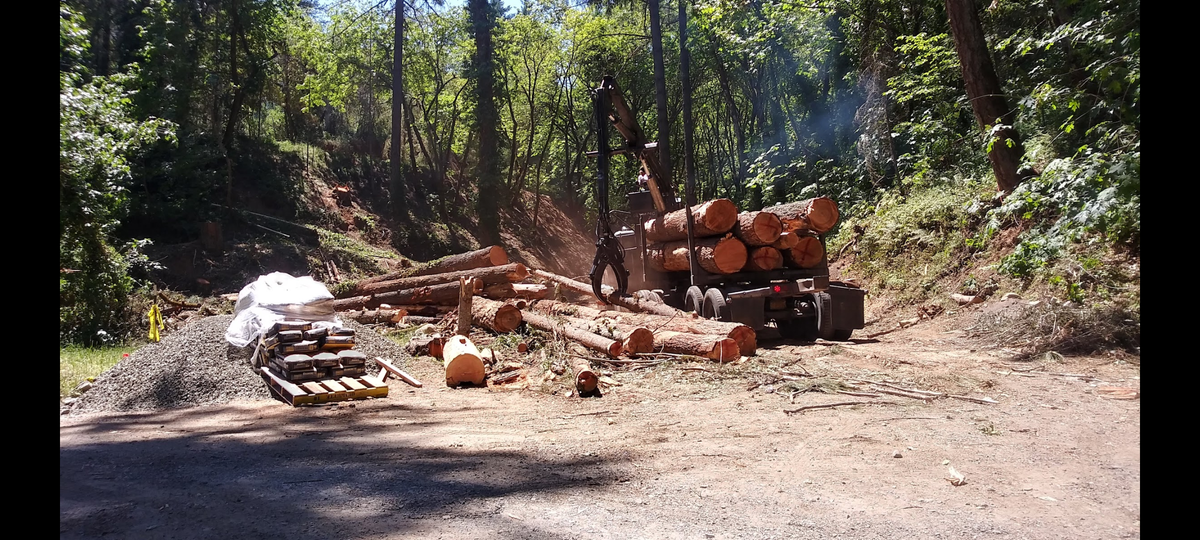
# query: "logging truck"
{"type": "Point", "coordinates": [758, 268]}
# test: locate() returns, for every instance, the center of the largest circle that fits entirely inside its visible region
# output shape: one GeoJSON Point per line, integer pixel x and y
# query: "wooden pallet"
{"type": "Point", "coordinates": [325, 391]}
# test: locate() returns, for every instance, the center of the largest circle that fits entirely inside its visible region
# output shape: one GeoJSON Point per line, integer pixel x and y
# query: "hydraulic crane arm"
{"type": "Point", "coordinates": [619, 115]}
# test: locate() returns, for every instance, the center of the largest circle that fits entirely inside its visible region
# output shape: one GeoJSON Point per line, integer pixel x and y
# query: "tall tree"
{"type": "Point", "coordinates": [483, 20]}
{"type": "Point", "coordinates": [397, 188]}
{"type": "Point", "coordinates": [660, 91]}
{"type": "Point", "coordinates": [987, 97]}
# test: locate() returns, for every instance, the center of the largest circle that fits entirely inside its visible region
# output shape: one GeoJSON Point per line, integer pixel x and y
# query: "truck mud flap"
{"type": "Point", "coordinates": [847, 302]}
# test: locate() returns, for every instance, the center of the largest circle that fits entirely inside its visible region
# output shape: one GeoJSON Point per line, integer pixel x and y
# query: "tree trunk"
{"type": "Point", "coordinates": [482, 18]}
{"type": "Point", "coordinates": [398, 192]}
{"type": "Point", "coordinates": [585, 379]}
{"type": "Point", "coordinates": [660, 94]}
{"type": "Point", "coordinates": [711, 218]}
{"type": "Point", "coordinates": [376, 316]}
{"type": "Point", "coordinates": [528, 291]}
{"type": "Point", "coordinates": [496, 316]}
{"type": "Point", "coordinates": [818, 215]}
{"type": "Point", "coordinates": [713, 347]}
{"type": "Point", "coordinates": [634, 339]}
{"type": "Point", "coordinates": [758, 228]}
{"type": "Point", "coordinates": [489, 275]}
{"type": "Point", "coordinates": [719, 255]}
{"type": "Point", "coordinates": [984, 91]}
{"type": "Point", "coordinates": [465, 294]}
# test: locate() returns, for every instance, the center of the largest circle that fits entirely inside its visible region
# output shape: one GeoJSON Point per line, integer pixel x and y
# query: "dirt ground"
{"type": "Point", "coordinates": [674, 451]}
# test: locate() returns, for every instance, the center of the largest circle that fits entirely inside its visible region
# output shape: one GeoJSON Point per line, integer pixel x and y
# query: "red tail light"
{"type": "Point", "coordinates": [778, 288]}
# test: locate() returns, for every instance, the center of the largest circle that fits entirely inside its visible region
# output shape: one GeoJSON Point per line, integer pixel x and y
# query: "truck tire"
{"type": "Point", "coordinates": [693, 300]}
{"type": "Point", "coordinates": [824, 320]}
{"type": "Point", "coordinates": [715, 307]}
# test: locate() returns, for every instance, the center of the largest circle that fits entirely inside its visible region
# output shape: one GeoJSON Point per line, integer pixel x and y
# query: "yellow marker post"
{"type": "Point", "coordinates": [156, 323]}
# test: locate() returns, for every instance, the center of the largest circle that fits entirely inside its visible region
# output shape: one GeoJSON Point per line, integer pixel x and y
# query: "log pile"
{"type": "Point", "coordinates": [484, 289]}
{"type": "Point", "coordinates": [728, 242]}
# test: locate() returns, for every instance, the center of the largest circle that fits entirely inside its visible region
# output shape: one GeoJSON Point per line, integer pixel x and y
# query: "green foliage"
{"type": "Point", "coordinates": [97, 139]}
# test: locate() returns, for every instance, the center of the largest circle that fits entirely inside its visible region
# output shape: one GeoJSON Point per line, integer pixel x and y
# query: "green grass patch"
{"type": "Point", "coordinates": [77, 364]}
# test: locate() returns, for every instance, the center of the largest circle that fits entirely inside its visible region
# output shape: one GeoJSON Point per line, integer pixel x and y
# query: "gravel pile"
{"type": "Point", "coordinates": [196, 366]}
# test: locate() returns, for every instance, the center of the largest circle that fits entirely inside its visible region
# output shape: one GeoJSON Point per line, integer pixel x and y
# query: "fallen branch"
{"type": "Point", "coordinates": [987, 401]}
{"type": "Point", "coordinates": [839, 404]}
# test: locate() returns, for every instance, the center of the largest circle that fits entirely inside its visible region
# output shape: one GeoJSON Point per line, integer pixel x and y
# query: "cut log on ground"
{"type": "Point", "coordinates": [808, 253]}
{"type": "Point", "coordinates": [578, 335]}
{"type": "Point", "coordinates": [585, 379]}
{"type": "Point", "coordinates": [462, 361]}
{"type": "Point", "coordinates": [745, 336]}
{"type": "Point", "coordinates": [480, 258]}
{"type": "Point", "coordinates": [528, 291]}
{"type": "Point", "coordinates": [719, 348]}
{"type": "Point", "coordinates": [819, 215]}
{"type": "Point", "coordinates": [445, 294]}
{"type": "Point", "coordinates": [412, 320]}
{"type": "Point", "coordinates": [376, 316]}
{"type": "Point", "coordinates": [719, 255]}
{"type": "Point", "coordinates": [425, 346]}
{"type": "Point", "coordinates": [762, 259]}
{"type": "Point", "coordinates": [507, 273]}
{"type": "Point", "coordinates": [714, 217]}
{"type": "Point", "coordinates": [758, 228]}
{"type": "Point", "coordinates": [496, 316]}
{"type": "Point", "coordinates": [627, 302]}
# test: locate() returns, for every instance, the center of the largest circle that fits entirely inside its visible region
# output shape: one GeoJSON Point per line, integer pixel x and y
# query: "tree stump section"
{"type": "Point", "coordinates": [462, 361]}
{"type": "Point", "coordinates": [808, 253]}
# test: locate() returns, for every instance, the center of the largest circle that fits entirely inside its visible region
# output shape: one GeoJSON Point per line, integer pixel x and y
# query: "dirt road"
{"type": "Point", "coordinates": [672, 452]}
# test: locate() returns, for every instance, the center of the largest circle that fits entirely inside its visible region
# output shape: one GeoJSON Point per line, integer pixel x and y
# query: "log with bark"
{"type": "Point", "coordinates": [507, 273]}
{"type": "Point", "coordinates": [818, 214]}
{"type": "Point", "coordinates": [762, 259]}
{"type": "Point", "coordinates": [592, 341]}
{"type": "Point", "coordinates": [465, 295]}
{"type": "Point", "coordinates": [528, 291]}
{"type": "Point", "coordinates": [412, 320]}
{"type": "Point", "coordinates": [758, 228]}
{"type": "Point", "coordinates": [462, 361]}
{"type": "Point", "coordinates": [808, 252]}
{"type": "Point", "coordinates": [719, 348]}
{"type": "Point", "coordinates": [627, 302]}
{"type": "Point", "coordinates": [376, 316]}
{"type": "Point", "coordinates": [745, 336]}
{"type": "Point", "coordinates": [716, 254]}
{"type": "Point", "coordinates": [496, 316]}
{"type": "Point", "coordinates": [445, 294]}
{"type": "Point", "coordinates": [480, 258]}
{"type": "Point", "coordinates": [585, 379]}
{"type": "Point", "coordinates": [425, 345]}
{"type": "Point", "coordinates": [710, 218]}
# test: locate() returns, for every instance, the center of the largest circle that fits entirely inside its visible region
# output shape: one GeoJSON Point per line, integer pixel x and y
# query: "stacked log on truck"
{"type": "Point", "coordinates": [729, 242]}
